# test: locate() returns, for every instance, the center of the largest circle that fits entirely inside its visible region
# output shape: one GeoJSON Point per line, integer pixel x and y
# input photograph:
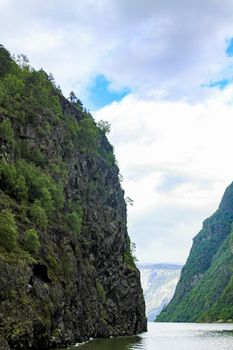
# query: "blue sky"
{"type": "Point", "coordinates": [100, 94]}
{"type": "Point", "coordinates": [161, 73]}
{"type": "Point", "coordinates": [225, 80]}
{"type": "Point", "coordinates": [229, 50]}
{"type": "Point", "coordinates": [221, 84]}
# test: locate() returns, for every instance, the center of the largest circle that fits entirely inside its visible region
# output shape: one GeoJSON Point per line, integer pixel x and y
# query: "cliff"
{"type": "Point", "coordinates": [66, 269]}
{"type": "Point", "coordinates": [205, 289]}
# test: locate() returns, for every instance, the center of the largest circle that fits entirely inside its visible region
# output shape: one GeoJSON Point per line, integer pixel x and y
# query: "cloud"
{"type": "Point", "coordinates": [156, 48]}
{"type": "Point", "coordinates": [165, 233]}
{"type": "Point", "coordinates": [170, 182]}
{"type": "Point", "coordinates": [173, 132]}
{"type": "Point", "coordinates": [175, 158]}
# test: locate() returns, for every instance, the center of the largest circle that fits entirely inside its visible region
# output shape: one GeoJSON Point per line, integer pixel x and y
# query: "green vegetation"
{"type": "Point", "coordinates": [100, 290]}
{"type": "Point", "coordinates": [111, 159]}
{"type": "Point", "coordinates": [8, 230]}
{"type": "Point", "coordinates": [5, 61]}
{"type": "Point", "coordinates": [38, 215]}
{"type": "Point", "coordinates": [76, 101]}
{"type": "Point", "coordinates": [61, 213]}
{"type": "Point", "coordinates": [25, 181]}
{"type": "Point", "coordinates": [74, 221]}
{"type": "Point", "coordinates": [129, 257]}
{"type": "Point", "coordinates": [104, 126]}
{"type": "Point", "coordinates": [31, 241]}
{"type": "Point", "coordinates": [205, 288]}
{"type": "Point", "coordinates": [34, 172]}
{"type": "Point", "coordinates": [83, 135]}
{"type": "Point", "coordinates": [6, 131]}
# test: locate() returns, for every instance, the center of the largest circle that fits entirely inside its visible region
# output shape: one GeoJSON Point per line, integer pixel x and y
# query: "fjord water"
{"type": "Point", "coordinates": [171, 336]}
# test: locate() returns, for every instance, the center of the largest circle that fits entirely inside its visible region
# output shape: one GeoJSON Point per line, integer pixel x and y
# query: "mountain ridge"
{"type": "Point", "coordinates": [205, 287]}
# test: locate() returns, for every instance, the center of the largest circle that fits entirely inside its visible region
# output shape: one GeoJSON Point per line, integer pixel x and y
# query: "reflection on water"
{"type": "Point", "coordinates": [170, 336]}
{"type": "Point", "coordinates": [123, 343]}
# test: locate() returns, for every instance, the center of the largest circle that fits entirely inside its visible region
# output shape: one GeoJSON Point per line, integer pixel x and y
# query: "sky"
{"type": "Point", "coordinates": [161, 72]}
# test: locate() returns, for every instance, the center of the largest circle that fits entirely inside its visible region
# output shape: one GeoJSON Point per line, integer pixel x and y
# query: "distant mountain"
{"type": "Point", "coordinates": [205, 290]}
{"type": "Point", "coordinates": [158, 282]}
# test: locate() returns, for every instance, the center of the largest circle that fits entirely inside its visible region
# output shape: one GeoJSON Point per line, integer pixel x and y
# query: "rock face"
{"type": "Point", "coordinates": [70, 274]}
{"type": "Point", "coordinates": [158, 283]}
{"type": "Point", "coordinates": [205, 289]}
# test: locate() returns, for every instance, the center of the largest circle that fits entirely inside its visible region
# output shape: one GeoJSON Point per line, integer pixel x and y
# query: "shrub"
{"type": "Point", "coordinates": [38, 215]}
{"type": "Point", "coordinates": [21, 190]}
{"type": "Point", "coordinates": [74, 221]}
{"type": "Point", "coordinates": [26, 181]}
{"type": "Point", "coordinates": [100, 290]}
{"type": "Point", "coordinates": [6, 131]}
{"type": "Point", "coordinates": [7, 176]}
{"type": "Point", "coordinates": [84, 134]}
{"type": "Point", "coordinates": [5, 61]}
{"type": "Point", "coordinates": [12, 182]}
{"type": "Point", "coordinates": [14, 86]}
{"type": "Point", "coordinates": [129, 257]}
{"type": "Point", "coordinates": [8, 230]}
{"type": "Point", "coordinates": [87, 135]}
{"type": "Point", "coordinates": [111, 159]}
{"type": "Point", "coordinates": [41, 187]}
{"type": "Point", "coordinates": [31, 241]}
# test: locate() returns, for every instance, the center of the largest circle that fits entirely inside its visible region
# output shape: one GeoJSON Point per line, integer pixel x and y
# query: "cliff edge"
{"type": "Point", "coordinates": [66, 268]}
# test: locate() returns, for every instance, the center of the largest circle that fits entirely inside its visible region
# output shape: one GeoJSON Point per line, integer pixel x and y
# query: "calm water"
{"type": "Point", "coordinates": [171, 336]}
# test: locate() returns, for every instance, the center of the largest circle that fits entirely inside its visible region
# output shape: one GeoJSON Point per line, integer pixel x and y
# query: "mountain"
{"type": "Point", "coordinates": [66, 268]}
{"type": "Point", "coordinates": [205, 290]}
{"type": "Point", "coordinates": [158, 283]}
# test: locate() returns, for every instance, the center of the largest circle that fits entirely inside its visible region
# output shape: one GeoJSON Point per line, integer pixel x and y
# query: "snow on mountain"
{"type": "Point", "coordinates": [158, 282]}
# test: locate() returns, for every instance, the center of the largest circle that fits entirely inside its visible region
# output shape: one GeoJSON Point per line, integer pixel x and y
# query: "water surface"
{"type": "Point", "coordinates": [170, 336]}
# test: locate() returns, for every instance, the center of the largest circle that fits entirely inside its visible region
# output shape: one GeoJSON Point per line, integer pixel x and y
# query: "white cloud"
{"type": "Point", "coordinates": [176, 162]}
{"type": "Point", "coordinates": [172, 137]}
{"type": "Point", "coordinates": [157, 48]}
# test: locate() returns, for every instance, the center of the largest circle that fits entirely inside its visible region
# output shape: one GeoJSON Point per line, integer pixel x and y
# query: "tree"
{"type": "Point", "coordinates": [75, 101]}
{"type": "Point", "coordinates": [5, 61]}
{"type": "Point", "coordinates": [129, 201]}
{"type": "Point", "coordinates": [79, 105]}
{"type": "Point", "coordinates": [74, 221]}
{"type": "Point", "coordinates": [104, 126]}
{"type": "Point", "coordinates": [8, 230]}
{"type": "Point", "coordinates": [52, 79]}
{"type": "Point", "coordinates": [8, 177]}
{"type": "Point", "coordinates": [6, 131]}
{"type": "Point", "coordinates": [31, 241]}
{"type": "Point", "coordinates": [72, 97]}
{"type": "Point", "coordinates": [20, 188]}
{"type": "Point", "coordinates": [86, 137]}
{"type": "Point", "coordinates": [38, 215]}
{"type": "Point", "coordinates": [22, 60]}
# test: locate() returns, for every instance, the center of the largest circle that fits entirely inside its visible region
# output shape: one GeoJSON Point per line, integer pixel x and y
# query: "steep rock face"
{"type": "Point", "coordinates": [206, 286]}
{"type": "Point", "coordinates": [69, 275]}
